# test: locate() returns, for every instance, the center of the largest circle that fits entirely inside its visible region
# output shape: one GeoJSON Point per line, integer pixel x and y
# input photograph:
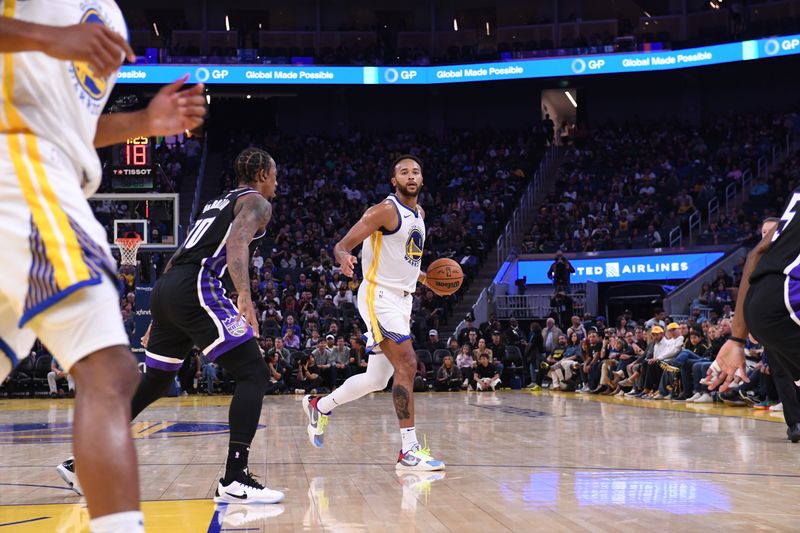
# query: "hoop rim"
{"type": "Point", "coordinates": [130, 243]}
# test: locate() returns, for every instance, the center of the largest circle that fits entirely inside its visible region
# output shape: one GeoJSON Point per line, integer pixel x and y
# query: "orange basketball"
{"type": "Point", "coordinates": [445, 276]}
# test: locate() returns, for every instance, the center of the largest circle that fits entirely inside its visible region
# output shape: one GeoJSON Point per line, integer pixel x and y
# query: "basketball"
{"type": "Point", "coordinates": [445, 276]}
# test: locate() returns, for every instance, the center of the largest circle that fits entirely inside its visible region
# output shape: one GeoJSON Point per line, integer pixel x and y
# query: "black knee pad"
{"type": "Point", "coordinates": [245, 363]}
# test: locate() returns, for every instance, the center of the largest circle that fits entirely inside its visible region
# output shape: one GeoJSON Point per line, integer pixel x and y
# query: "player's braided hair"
{"type": "Point", "coordinates": [249, 162]}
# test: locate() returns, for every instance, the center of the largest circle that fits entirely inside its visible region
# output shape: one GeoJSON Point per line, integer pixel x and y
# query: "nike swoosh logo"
{"type": "Point", "coordinates": [406, 216]}
{"type": "Point", "coordinates": [242, 496]}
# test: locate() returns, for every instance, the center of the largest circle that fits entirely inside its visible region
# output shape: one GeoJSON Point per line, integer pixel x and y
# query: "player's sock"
{"type": "Point", "coordinates": [409, 438]}
{"type": "Point", "coordinates": [238, 454]}
{"type": "Point", "coordinates": [153, 386]}
{"type": "Point", "coordinates": [129, 521]}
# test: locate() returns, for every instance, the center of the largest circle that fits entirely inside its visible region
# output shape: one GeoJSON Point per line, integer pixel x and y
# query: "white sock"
{"type": "Point", "coordinates": [127, 522]}
{"type": "Point", "coordinates": [409, 438]}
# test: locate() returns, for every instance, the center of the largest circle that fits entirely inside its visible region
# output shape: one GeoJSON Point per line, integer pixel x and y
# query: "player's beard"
{"type": "Point", "coordinates": [402, 189]}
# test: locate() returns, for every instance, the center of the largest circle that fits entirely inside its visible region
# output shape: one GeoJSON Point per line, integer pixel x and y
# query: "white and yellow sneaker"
{"type": "Point", "coordinates": [418, 459]}
{"type": "Point", "coordinates": [316, 420]}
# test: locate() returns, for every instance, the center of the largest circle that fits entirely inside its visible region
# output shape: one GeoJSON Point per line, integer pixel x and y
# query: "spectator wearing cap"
{"type": "Point", "coordinates": [434, 342]}
{"type": "Point", "coordinates": [330, 340]}
{"type": "Point", "coordinates": [667, 361]}
{"type": "Point", "coordinates": [469, 325]}
{"type": "Point", "coordinates": [667, 346]}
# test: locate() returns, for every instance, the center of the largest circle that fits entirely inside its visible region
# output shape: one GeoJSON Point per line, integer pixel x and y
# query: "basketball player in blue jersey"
{"type": "Point", "coordinates": [58, 277]}
{"type": "Point", "coordinates": [190, 307]}
{"type": "Point", "coordinates": [393, 233]}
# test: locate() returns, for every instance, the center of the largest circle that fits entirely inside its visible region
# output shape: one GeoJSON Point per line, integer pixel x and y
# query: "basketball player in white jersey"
{"type": "Point", "coordinates": [57, 277]}
{"type": "Point", "coordinates": [393, 233]}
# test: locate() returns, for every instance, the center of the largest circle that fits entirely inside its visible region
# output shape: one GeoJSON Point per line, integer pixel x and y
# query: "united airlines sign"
{"type": "Point", "coordinates": [607, 269]}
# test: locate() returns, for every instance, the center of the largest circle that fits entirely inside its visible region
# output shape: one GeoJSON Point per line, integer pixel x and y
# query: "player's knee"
{"type": "Point", "coordinates": [406, 363]}
{"type": "Point", "coordinates": [110, 373]}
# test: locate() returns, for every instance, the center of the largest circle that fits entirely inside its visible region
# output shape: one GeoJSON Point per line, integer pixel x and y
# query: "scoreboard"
{"type": "Point", "coordinates": [132, 164]}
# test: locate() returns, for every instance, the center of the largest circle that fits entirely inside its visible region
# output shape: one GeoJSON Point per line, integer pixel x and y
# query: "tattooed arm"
{"type": "Point", "coordinates": [251, 215]}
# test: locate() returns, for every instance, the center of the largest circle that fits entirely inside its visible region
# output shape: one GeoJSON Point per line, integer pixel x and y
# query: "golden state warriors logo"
{"type": "Point", "coordinates": [91, 83]}
{"type": "Point", "coordinates": [414, 245]}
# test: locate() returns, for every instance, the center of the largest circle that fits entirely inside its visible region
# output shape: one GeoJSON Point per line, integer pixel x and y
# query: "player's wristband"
{"type": "Point", "coordinates": [737, 339]}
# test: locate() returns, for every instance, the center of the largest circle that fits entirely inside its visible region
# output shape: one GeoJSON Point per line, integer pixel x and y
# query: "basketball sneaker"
{"type": "Point", "coordinates": [67, 472]}
{"type": "Point", "coordinates": [245, 489]}
{"type": "Point", "coordinates": [316, 420]}
{"type": "Point", "coordinates": [418, 459]}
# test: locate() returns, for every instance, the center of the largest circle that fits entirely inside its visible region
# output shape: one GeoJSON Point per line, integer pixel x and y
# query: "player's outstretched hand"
{"type": "Point", "coordinates": [248, 311]}
{"type": "Point", "coordinates": [348, 263]}
{"type": "Point", "coordinates": [173, 111]}
{"type": "Point", "coordinates": [102, 48]}
{"type": "Point", "coordinates": [729, 359]}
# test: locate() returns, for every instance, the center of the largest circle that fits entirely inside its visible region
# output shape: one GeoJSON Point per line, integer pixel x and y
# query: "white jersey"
{"type": "Point", "coordinates": [391, 259]}
{"type": "Point", "coordinates": [58, 101]}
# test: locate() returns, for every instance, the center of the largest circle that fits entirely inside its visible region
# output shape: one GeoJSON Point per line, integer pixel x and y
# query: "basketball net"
{"type": "Point", "coordinates": [128, 248]}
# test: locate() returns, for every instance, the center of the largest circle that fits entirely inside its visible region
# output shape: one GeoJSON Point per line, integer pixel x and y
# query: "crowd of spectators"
{"type": "Point", "coordinates": [627, 186]}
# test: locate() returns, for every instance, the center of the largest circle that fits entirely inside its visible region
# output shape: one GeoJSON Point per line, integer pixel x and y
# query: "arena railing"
{"type": "Point", "coordinates": [734, 192]}
{"type": "Point", "coordinates": [532, 306]}
{"type": "Point", "coordinates": [522, 215]}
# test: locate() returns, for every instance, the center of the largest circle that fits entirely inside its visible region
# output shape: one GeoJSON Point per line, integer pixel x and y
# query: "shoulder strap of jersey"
{"type": "Point", "coordinates": [396, 203]}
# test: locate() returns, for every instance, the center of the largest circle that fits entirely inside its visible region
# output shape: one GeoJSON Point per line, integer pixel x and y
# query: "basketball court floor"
{"type": "Point", "coordinates": [517, 461]}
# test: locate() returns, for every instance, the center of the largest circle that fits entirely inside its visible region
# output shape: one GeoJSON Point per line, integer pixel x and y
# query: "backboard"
{"type": "Point", "coordinates": [154, 216]}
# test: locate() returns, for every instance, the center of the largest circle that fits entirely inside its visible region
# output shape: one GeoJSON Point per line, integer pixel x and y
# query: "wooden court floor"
{"type": "Point", "coordinates": [517, 461]}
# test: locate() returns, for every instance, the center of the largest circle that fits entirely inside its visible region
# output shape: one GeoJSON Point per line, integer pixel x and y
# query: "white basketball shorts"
{"type": "Point", "coordinates": [56, 269]}
{"type": "Point", "coordinates": [386, 312]}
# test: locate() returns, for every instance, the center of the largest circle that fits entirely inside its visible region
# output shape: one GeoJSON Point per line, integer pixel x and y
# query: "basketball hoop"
{"type": "Point", "coordinates": [128, 247]}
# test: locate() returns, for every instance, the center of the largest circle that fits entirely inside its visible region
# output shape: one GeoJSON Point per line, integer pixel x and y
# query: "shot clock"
{"type": "Point", "coordinates": [132, 164]}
